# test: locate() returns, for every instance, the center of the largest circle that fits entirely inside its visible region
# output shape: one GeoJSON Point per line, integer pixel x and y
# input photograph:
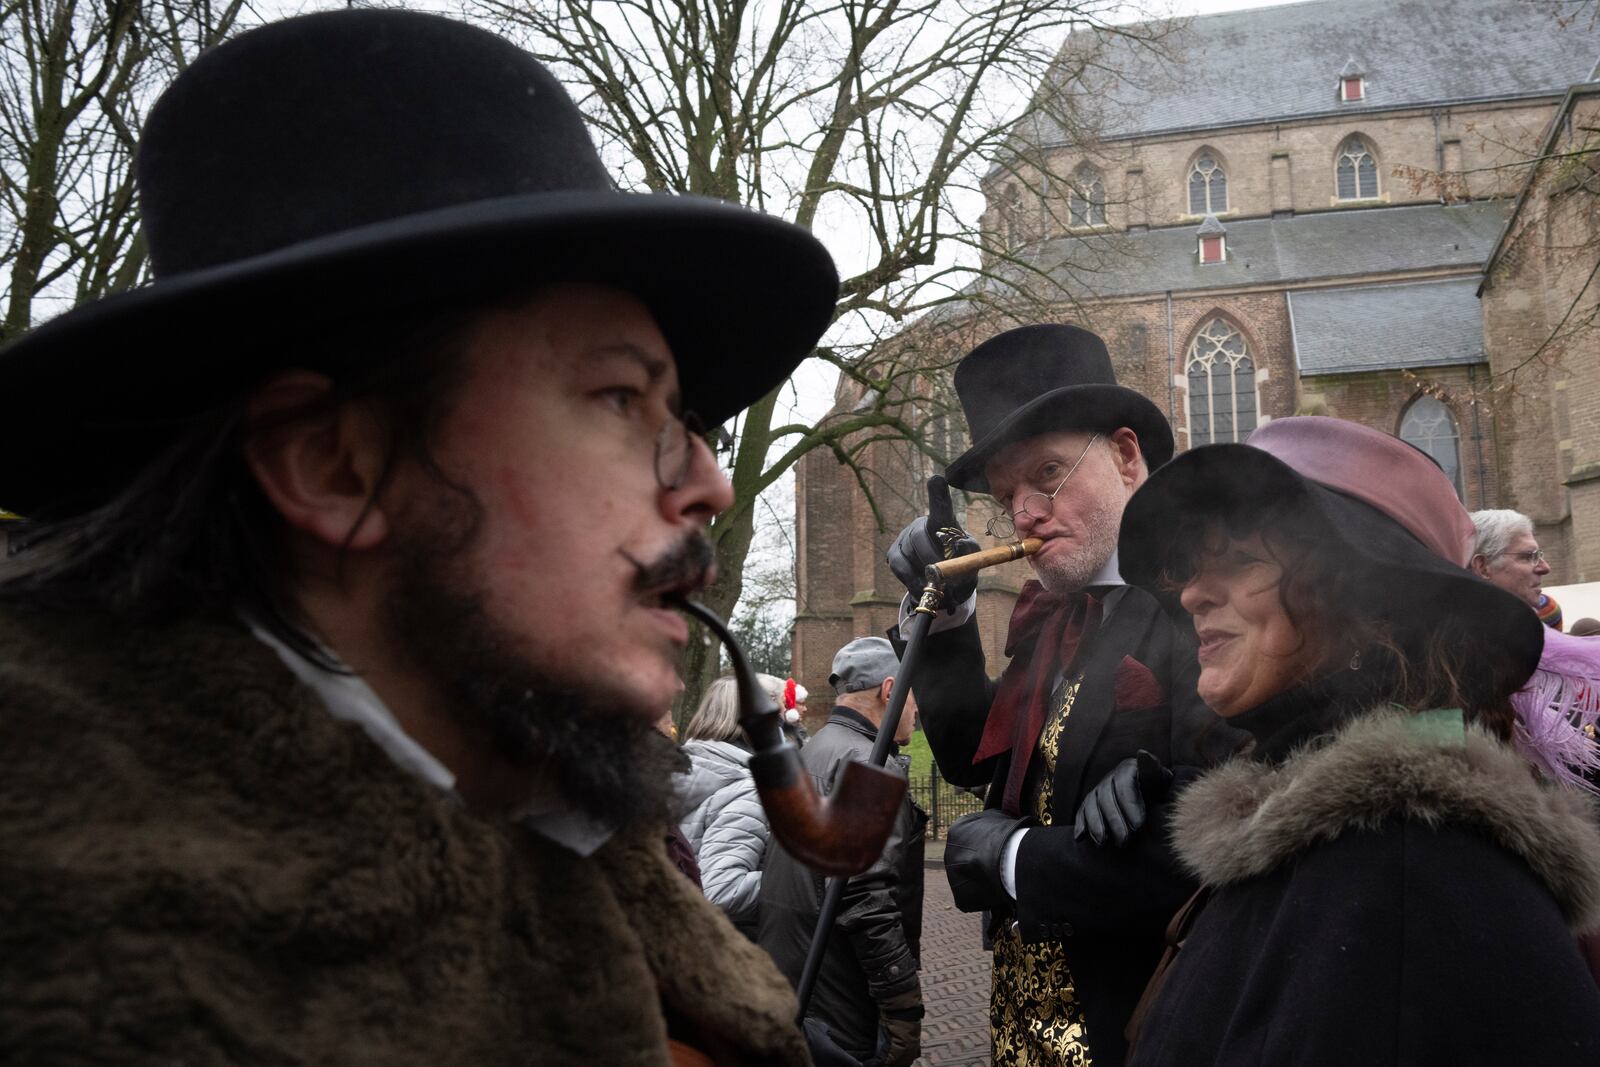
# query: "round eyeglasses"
{"type": "Point", "coordinates": [1036, 506]}
{"type": "Point", "coordinates": [675, 449]}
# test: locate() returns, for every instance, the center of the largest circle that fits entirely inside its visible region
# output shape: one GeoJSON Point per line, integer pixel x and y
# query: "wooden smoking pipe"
{"type": "Point", "coordinates": [841, 834]}
{"type": "Point", "coordinates": [844, 833]}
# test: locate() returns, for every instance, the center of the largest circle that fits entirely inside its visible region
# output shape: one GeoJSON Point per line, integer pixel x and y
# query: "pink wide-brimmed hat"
{"type": "Point", "coordinates": [1384, 504]}
{"type": "Point", "coordinates": [1378, 469]}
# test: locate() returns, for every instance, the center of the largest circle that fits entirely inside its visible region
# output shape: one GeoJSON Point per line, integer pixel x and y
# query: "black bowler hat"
{"type": "Point", "coordinates": [347, 166]}
{"type": "Point", "coordinates": [1036, 379]}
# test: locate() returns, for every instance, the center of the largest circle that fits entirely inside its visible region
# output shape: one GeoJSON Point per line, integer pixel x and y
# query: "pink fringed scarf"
{"type": "Point", "coordinates": [1560, 700]}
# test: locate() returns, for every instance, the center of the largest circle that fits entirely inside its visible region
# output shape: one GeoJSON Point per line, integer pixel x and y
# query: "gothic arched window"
{"type": "Point", "coordinates": [1086, 199]}
{"type": "Point", "coordinates": [1208, 186]}
{"type": "Point", "coordinates": [1428, 425]}
{"type": "Point", "coordinates": [1011, 215]}
{"type": "Point", "coordinates": [1222, 385]}
{"type": "Point", "coordinates": [1356, 170]}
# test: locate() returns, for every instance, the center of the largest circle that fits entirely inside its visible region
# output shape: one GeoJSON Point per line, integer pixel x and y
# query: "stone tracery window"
{"type": "Point", "coordinates": [1356, 170]}
{"type": "Point", "coordinates": [1086, 198]}
{"type": "Point", "coordinates": [1428, 425]}
{"type": "Point", "coordinates": [1208, 186]}
{"type": "Point", "coordinates": [1011, 215]}
{"type": "Point", "coordinates": [1222, 385]}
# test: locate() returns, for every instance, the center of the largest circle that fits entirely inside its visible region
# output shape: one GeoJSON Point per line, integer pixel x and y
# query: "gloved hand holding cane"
{"type": "Point", "coordinates": [933, 539]}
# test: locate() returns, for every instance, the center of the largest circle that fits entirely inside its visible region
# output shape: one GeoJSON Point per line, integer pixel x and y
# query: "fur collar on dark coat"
{"type": "Point", "coordinates": [1247, 818]}
{"type": "Point", "coordinates": [204, 865]}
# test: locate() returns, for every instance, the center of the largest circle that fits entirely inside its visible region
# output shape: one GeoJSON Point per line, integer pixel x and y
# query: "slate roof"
{"type": "Point", "coordinates": [1385, 327]}
{"type": "Point", "coordinates": [1328, 244]}
{"type": "Point", "coordinates": [1284, 62]}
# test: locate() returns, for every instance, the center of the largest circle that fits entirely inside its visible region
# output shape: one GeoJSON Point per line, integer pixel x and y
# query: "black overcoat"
{"type": "Point", "coordinates": [1109, 907]}
{"type": "Point", "coordinates": [1388, 898]}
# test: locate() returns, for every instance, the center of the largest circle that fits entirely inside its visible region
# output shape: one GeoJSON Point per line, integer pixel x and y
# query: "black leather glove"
{"type": "Point", "coordinates": [1115, 808]}
{"type": "Point", "coordinates": [900, 1028]}
{"type": "Point", "coordinates": [933, 539]}
{"type": "Point", "coordinates": [972, 851]}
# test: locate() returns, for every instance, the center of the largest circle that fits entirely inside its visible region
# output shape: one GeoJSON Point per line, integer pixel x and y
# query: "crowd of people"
{"type": "Point", "coordinates": [343, 616]}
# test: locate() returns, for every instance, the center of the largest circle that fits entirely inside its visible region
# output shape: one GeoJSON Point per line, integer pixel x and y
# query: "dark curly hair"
{"type": "Point", "coordinates": [1428, 655]}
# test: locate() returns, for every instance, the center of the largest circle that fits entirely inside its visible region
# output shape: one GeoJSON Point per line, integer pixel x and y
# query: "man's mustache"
{"type": "Point", "coordinates": [684, 566]}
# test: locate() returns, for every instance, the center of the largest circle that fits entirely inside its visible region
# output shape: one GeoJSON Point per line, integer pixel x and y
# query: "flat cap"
{"type": "Point", "coordinates": [863, 664]}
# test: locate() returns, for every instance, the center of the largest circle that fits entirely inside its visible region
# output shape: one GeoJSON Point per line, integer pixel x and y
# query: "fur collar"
{"type": "Point", "coordinates": [190, 816]}
{"type": "Point", "coordinates": [705, 969]}
{"type": "Point", "coordinates": [1247, 818]}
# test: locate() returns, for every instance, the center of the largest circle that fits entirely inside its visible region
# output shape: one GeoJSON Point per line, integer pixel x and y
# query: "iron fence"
{"type": "Point", "coordinates": [943, 802]}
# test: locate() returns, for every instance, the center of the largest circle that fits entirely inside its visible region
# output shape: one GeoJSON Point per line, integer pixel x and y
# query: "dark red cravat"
{"type": "Point", "coordinates": [1046, 629]}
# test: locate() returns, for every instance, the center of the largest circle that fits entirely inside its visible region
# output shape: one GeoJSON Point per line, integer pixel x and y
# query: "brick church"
{"type": "Point", "coordinates": [1318, 208]}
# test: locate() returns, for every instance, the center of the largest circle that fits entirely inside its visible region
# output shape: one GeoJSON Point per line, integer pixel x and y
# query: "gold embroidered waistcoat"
{"type": "Point", "coordinates": [1034, 1015]}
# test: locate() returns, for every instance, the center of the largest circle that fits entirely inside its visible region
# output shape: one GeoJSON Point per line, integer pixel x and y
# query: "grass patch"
{"type": "Point", "coordinates": [921, 755]}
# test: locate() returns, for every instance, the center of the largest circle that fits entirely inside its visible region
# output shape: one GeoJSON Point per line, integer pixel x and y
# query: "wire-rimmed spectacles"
{"type": "Point", "coordinates": [1532, 557]}
{"type": "Point", "coordinates": [1003, 527]}
{"type": "Point", "coordinates": [675, 449]}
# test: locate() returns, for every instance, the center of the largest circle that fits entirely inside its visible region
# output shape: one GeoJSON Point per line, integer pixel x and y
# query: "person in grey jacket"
{"type": "Point", "coordinates": [868, 995]}
{"type": "Point", "coordinates": [722, 816]}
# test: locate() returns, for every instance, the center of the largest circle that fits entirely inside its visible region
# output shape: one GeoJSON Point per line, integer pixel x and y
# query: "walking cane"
{"type": "Point", "coordinates": [921, 618]}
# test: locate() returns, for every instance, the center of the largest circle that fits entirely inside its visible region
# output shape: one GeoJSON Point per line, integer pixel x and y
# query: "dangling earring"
{"type": "Point", "coordinates": [1355, 661]}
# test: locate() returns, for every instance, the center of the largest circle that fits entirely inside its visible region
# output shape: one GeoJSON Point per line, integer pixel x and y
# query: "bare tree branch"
{"type": "Point", "coordinates": [75, 80]}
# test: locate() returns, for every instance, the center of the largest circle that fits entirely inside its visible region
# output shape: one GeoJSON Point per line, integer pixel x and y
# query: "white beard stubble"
{"type": "Point", "coordinates": [1068, 573]}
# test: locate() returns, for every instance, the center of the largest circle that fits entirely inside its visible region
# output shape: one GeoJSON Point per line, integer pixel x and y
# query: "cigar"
{"type": "Point", "coordinates": [939, 573]}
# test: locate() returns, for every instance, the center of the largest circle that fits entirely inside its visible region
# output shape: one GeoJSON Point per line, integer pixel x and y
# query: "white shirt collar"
{"type": "Point", "coordinates": [349, 698]}
{"type": "Point", "coordinates": [1110, 574]}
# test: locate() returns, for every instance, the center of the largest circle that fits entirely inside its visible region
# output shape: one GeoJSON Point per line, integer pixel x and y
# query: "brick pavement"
{"type": "Point", "coordinates": [955, 980]}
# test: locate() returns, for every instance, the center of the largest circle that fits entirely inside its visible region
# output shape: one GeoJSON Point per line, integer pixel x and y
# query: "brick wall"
{"type": "Point", "coordinates": [1380, 399]}
{"type": "Point", "coordinates": [823, 540]}
{"type": "Point", "coordinates": [1278, 166]}
{"type": "Point", "coordinates": [1152, 359]}
{"type": "Point", "coordinates": [1547, 373]}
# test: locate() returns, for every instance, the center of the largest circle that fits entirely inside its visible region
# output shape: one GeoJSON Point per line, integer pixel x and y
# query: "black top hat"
{"type": "Point", "coordinates": [1035, 379]}
{"type": "Point", "coordinates": [342, 167]}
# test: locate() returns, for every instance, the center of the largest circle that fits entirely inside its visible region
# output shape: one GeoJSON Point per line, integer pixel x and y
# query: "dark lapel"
{"type": "Point", "coordinates": [1119, 635]}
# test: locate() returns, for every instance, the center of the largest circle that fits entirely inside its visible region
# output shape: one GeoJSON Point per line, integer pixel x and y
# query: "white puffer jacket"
{"type": "Point", "coordinates": [725, 824]}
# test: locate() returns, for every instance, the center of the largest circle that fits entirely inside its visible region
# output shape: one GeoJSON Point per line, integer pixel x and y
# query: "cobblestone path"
{"type": "Point", "coordinates": [955, 981]}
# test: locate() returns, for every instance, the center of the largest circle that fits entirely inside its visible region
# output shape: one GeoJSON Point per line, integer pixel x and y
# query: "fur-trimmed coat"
{"type": "Point", "coordinates": [200, 865]}
{"type": "Point", "coordinates": [1404, 894]}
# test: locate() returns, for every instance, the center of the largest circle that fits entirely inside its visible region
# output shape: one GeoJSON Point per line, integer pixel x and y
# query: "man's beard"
{"type": "Point", "coordinates": [1070, 573]}
{"type": "Point", "coordinates": [605, 761]}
